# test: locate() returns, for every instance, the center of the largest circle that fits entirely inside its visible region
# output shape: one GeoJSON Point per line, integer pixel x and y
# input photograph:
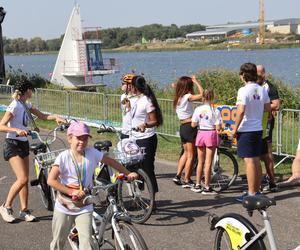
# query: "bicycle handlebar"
{"type": "Point", "coordinates": [110, 129]}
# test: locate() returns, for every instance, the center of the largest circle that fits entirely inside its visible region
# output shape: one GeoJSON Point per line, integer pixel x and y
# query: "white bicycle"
{"type": "Point", "coordinates": [124, 235]}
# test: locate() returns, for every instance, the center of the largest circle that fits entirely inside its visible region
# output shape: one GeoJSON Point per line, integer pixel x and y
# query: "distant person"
{"type": "Point", "coordinates": [267, 155]}
{"type": "Point", "coordinates": [16, 147]}
{"type": "Point", "coordinates": [183, 103]}
{"type": "Point", "coordinates": [209, 123]}
{"type": "Point", "coordinates": [146, 116]}
{"type": "Point", "coordinates": [252, 101]}
{"type": "Point", "coordinates": [127, 101]}
{"type": "Point", "coordinates": [71, 173]}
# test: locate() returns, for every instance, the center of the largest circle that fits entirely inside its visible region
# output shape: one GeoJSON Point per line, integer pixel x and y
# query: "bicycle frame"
{"type": "Point", "coordinates": [266, 230]}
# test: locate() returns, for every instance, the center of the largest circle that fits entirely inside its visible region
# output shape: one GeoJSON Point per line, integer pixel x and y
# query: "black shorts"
{"type": "Point", "coordinates": [264, 146]}
{"type": "Point", "coordinates": [187, 133]}
{"type": "Point", "coordinates": [249, 144]}
{"type": "Point", "coordinates": [13, 148]}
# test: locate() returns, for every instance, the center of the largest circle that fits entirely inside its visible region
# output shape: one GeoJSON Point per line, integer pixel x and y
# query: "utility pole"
{"type": "Point", "coordinates": [261, 34]}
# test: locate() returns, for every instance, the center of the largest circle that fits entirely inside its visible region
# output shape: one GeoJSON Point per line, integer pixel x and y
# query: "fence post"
{"type": "Point", "coordinates": [68, 104]}
{"type": "Point", "coordinates": [279, 141]}
{"type": "Point", "coordinates": [105, 108]}
{"type": "Point", "coordinates": [37, 99]}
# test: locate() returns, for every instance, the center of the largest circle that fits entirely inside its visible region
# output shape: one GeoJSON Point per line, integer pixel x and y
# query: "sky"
{"type": "Point", "coordinates": [48, 18]}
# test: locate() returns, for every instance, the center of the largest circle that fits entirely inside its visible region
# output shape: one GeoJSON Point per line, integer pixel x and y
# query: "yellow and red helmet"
{"type": "Point", "coordinates": [127, 79]}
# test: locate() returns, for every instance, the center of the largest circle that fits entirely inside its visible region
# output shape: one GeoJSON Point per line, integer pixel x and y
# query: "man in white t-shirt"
{"type": "Point", "coordinates": [252, 101]}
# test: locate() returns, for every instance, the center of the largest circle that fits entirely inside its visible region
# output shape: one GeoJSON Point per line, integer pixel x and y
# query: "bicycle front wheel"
{"type": "Point", "coordinates": [136, 198]}
{"type": "Point", "coordinates": [222, 240]}
{"type": "Point", "coordinates": [224, 170]}
{"type": "Point", "coordinates": [129, 237]}
{"type": "Point", "coordinates": [45, 190]}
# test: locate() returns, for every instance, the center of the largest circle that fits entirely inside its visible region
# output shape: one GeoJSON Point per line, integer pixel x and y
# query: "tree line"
{"type": "Point", "coordinates": [111, 38]}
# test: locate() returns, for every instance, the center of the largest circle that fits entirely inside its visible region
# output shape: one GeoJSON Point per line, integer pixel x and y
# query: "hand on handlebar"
{"type": "Point", "coordinates": [21, 133]}
{"type": "Point", "coordinates": [132, 176]}
{"type": "Point", "coordinates": [78, 195]}
{"type": "Point", "coordinates": [60, 120]}
{"type": "Point", "coordinates": [141, 127]}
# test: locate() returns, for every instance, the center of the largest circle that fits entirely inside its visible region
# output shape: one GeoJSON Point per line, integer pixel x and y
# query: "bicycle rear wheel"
{"type": "Point", "coordinates": [224, 171]}
{"type": "Point", "coordinates": [129, 236]}
{"type": "Point", "coordinates": [137, 198]}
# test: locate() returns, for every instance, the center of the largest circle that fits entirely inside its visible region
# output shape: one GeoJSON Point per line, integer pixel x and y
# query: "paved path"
{"type": "Point", "coordinates": [180, 223]}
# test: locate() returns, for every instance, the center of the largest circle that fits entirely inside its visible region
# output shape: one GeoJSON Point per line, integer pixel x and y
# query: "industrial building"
{"type": "Point", "coordinates": [220, 32]}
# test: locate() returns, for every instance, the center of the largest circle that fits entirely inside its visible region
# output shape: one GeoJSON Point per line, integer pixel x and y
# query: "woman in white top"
{"type": "Point", "coordinates": [184, 96]}
{"type": "Point", "coordinates": [16, 147]}
{"type": "Point", "coordinates": [146, 115]}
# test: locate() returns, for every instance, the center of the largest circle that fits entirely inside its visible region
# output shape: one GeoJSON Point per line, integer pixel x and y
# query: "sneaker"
{"type": "Point", "coordinates": [27, 216]}
{"type": "Point", "coordinates": [208, 191]}
{"type": "Point", "coordinates": [7, 214]}
{"type": "Point", "coordinates": [197, 188]}
{"type": "Point", "coordinates": [241, 198]}
{"type": "Point", "coordinates": [177, 180]}
{"type": "Point", "coordinates": [272, 187]}
{"type": "Point", "coordinates": [189, 184]}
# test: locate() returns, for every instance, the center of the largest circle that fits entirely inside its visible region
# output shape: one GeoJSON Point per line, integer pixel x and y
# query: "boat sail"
{"type": "Point", "coordinates": [80, 59]}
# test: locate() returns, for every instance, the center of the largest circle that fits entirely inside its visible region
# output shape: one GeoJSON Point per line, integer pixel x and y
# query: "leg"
{"type": "Point", "coordinates": [181, 162]}
{"type": "Point", "coordinates": [83, 224]}
{"type": "Point", "coordinates": [61, 226]}
{"type": "Point", "coordinates": [210, 152]}
{"type": "Point", "coordinates": [201, 160]}
{"type": "Point", "coordinates": [148, 163]}
{"type": "Point", "coordinates": [21, 169]}
{"type": "Point", "coordinates": [269, 163]}
{"type": "Point", "coordinates": [253, 172]}
{"type": "Point", "coordinates": [24, 191]}
{"type": "Point", "coordinates": [189, 150]}
{"type": "Point", "coordinates": [295, 168]}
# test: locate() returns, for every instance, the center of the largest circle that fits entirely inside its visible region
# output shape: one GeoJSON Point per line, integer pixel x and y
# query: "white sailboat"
{"type": "Point", "coordinates": [79, 59]}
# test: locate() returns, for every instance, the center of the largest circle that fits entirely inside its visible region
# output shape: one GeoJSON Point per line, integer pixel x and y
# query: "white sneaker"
{"type": "Point", "coordinates": [27, 216]}
{"type": "Point", "coordinates": [7, 214]}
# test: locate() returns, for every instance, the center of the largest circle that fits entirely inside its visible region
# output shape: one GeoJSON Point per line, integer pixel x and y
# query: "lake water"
{"type": "Point", "coordinates": [165, 67]}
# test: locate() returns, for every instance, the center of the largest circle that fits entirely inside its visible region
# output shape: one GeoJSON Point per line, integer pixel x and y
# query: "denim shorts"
{"type": "Point", "coordinates": [249, 144]}
{"type": "Point", "coordinates": [13, 148]}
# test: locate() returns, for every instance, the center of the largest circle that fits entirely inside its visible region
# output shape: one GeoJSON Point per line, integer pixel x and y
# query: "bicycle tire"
{"type": "Point", "coordinates": [137, 199]}
{"type": "Point", "coordinates": [225, 171]}
{"type": "Point", "coordinates": [45, 190]}
{"type": "Point", "coordinates": [222, 234]}
{"type": "Point", "coordinates": [130, 237]}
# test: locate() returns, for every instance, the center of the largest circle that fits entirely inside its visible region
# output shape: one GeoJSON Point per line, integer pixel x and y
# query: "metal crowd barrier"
{"type": "Point", "coordinates": [105, 108]}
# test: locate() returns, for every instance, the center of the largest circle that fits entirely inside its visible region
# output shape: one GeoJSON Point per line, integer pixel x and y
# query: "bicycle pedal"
{"type": "Point", "coordinates": [34, 182]}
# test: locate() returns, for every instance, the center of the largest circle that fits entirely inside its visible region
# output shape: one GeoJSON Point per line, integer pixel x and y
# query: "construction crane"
{"type": "Point", "coordinates": [261, 34]}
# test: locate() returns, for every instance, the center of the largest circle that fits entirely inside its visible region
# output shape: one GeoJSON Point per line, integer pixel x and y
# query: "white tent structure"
{"type": "Point", "coordinates": [79, 59]}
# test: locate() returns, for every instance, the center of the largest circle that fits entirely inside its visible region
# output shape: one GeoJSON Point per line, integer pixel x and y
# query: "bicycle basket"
{"type": "Point", "coordinates": [128, 152]}
{"type": "Point", "coordinates": [48, 158]}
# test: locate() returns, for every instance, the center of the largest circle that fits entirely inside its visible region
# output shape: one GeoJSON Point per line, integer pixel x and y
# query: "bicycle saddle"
{"type": "Point", "coordinates": [259, 202]}
{"type": "Point", "coordinates": [38, 148]}
{"type": "Point", "coordinates": [102, 145]}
